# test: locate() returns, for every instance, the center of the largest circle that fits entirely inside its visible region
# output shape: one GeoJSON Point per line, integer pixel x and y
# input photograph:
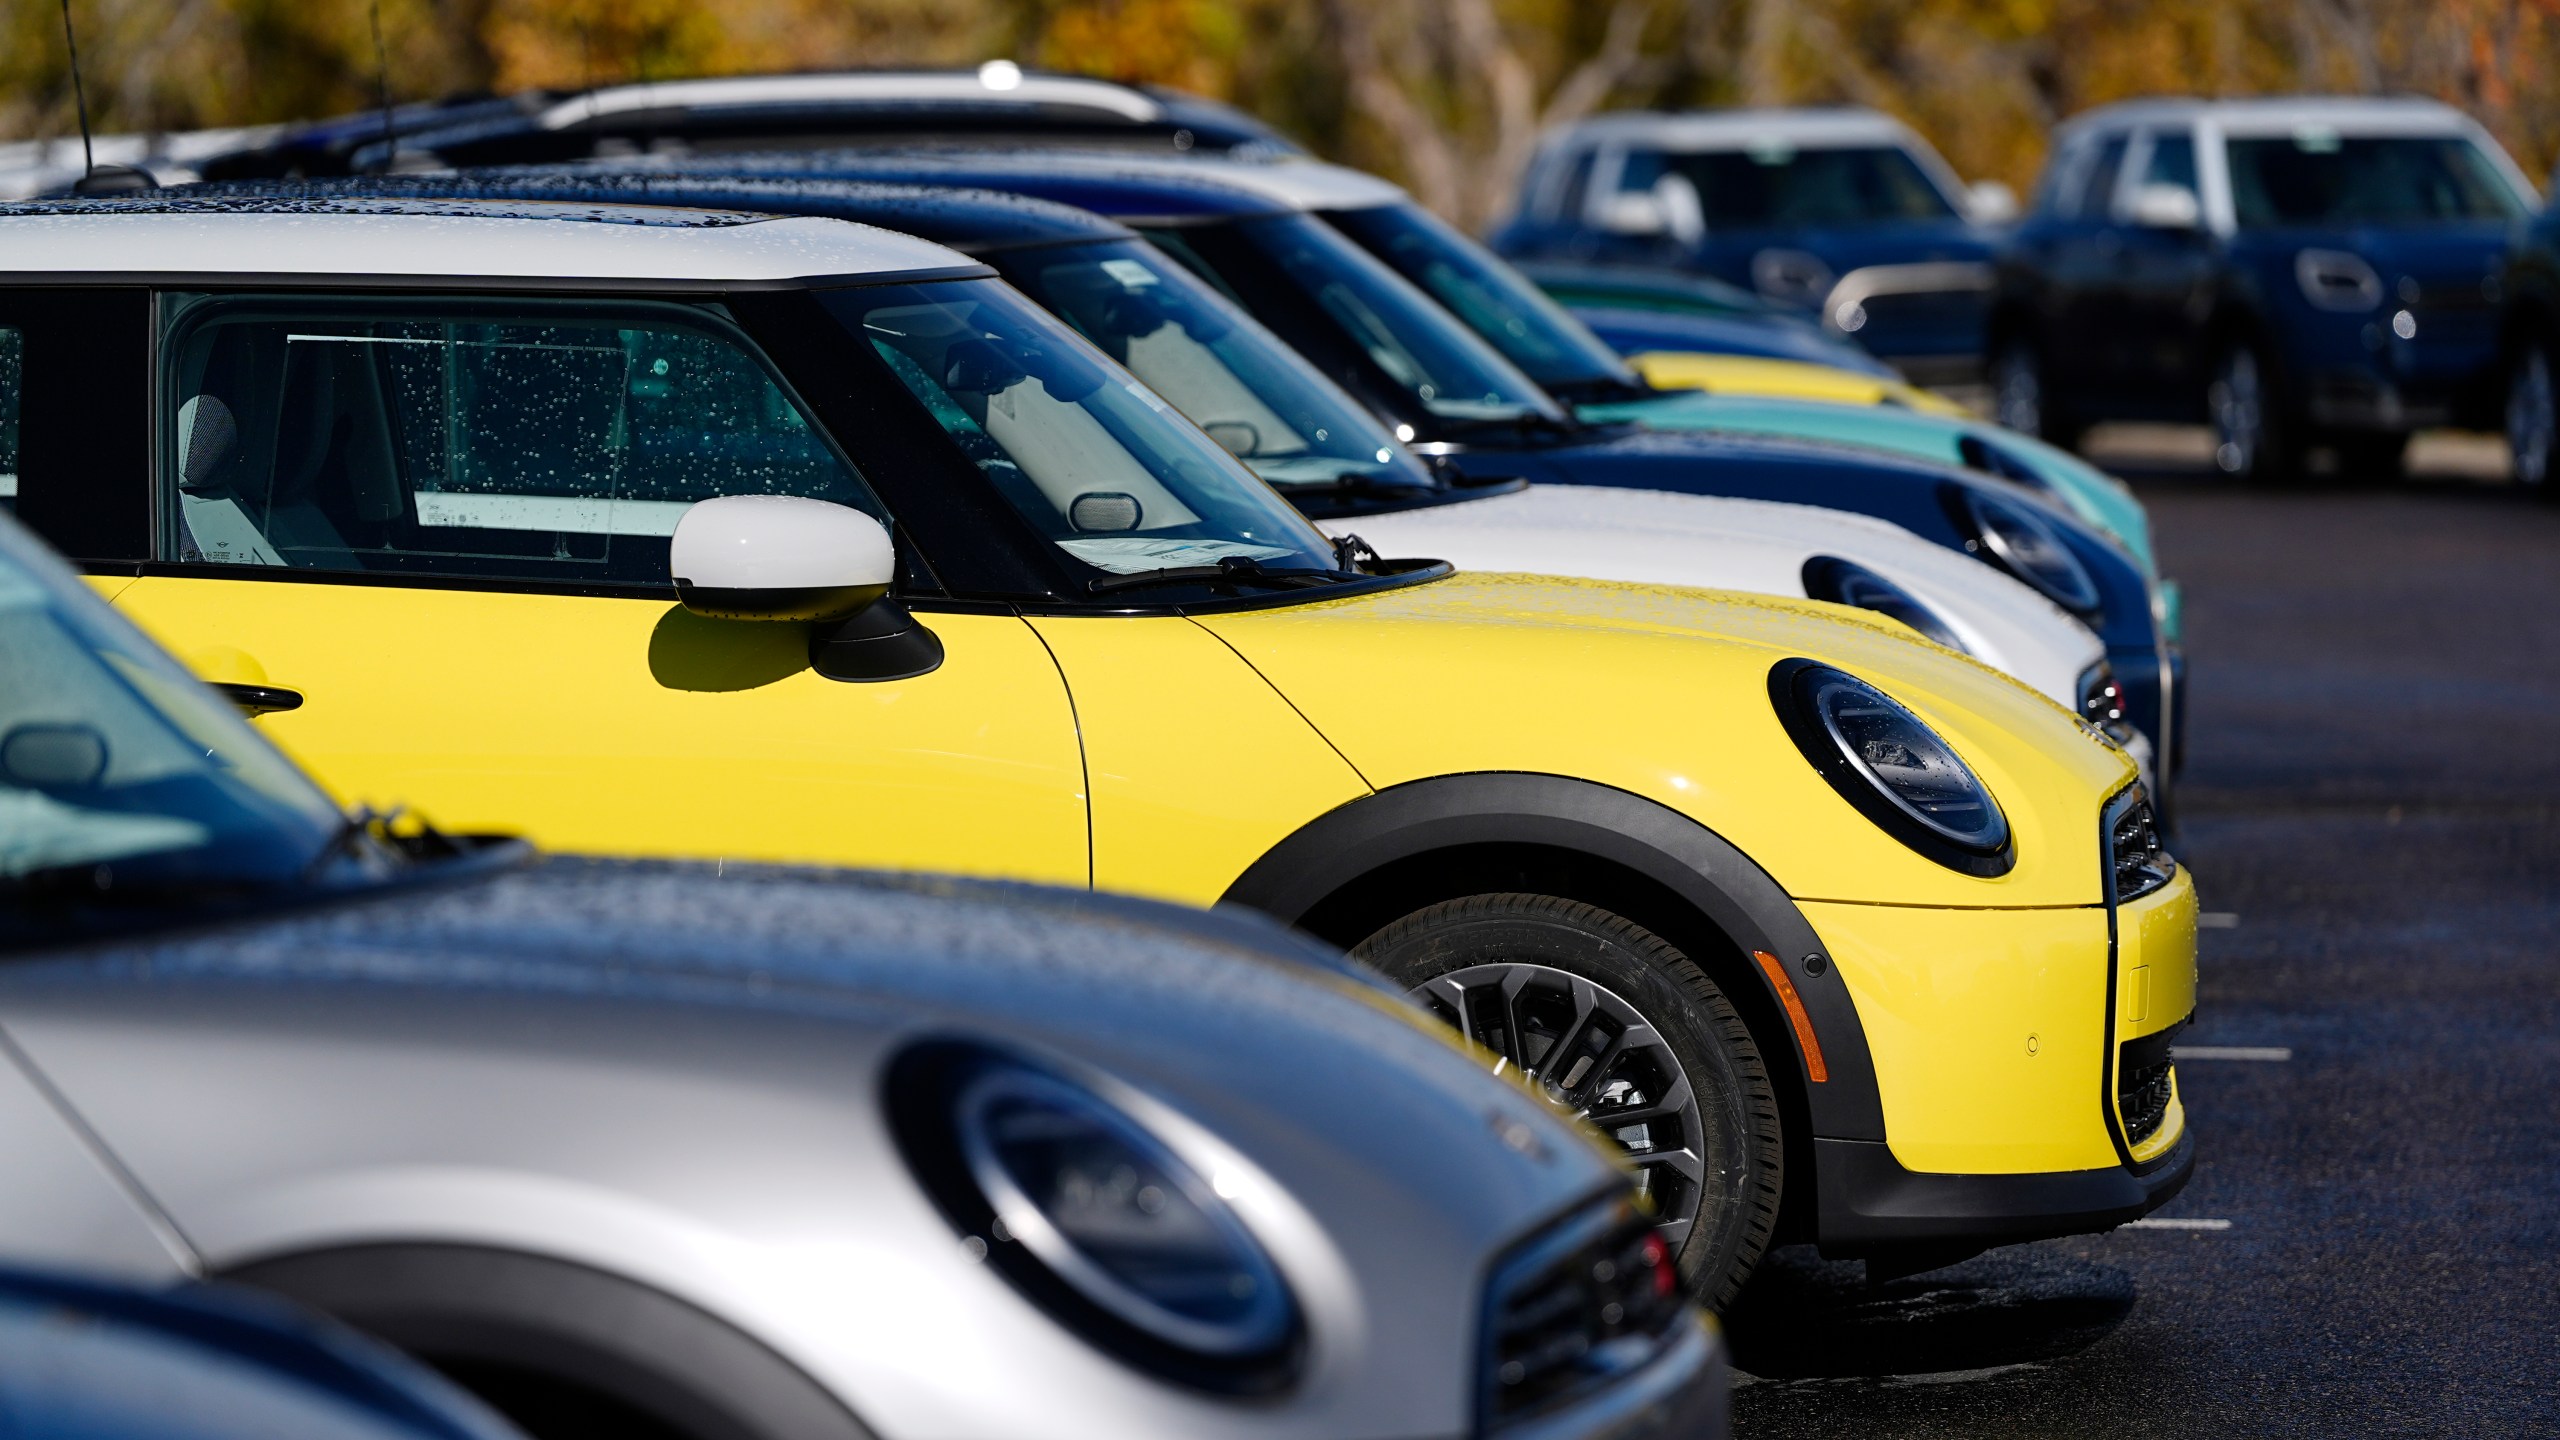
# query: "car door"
{"type": "Point", "coordinates": [2080, 253]}
{"type": "Point", "coordinates": [438, 526]}
{"type": "Point", "coordinates": [2166, 274]}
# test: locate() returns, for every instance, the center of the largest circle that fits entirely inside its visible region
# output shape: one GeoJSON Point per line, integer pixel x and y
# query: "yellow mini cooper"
{"type": "Point", "coordinates": [693, 533]}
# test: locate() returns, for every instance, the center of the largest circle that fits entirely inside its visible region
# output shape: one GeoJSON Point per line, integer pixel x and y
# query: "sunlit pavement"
{"type": "Point", "coordinates": [2371, 1245]}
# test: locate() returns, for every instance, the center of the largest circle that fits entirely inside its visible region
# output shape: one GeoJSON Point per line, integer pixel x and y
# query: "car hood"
{"type": "Point", "coordinates": [1655, 537]}
{"type": "Point", "coordinates": [675, 1073]}
{"type": "Point", "coordinates": [1663, 692]}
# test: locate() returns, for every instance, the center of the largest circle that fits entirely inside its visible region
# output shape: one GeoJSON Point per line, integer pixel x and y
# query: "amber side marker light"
{"type": "Point", "coordinates": [1786, 988]}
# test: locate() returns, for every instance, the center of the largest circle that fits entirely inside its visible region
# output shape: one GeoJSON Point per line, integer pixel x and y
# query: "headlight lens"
{"type": "Point", "coordinates": [2019, 541]}
{"type": "Point", "coordinates": [1095, 1217]}
{"type": "Point", "coordinates": [1845, 582]}
{"type": "Point", "coordinates": [2102, 702]}
{"type": "Point", "coordinates": [1889, 764]}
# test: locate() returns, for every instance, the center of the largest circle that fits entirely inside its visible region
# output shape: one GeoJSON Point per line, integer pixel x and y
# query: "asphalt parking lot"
{"type": "Point", "coordinates": [2371, 1245]}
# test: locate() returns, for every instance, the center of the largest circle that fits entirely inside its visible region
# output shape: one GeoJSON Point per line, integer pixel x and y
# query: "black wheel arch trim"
{"type": "Point", "coordinates": [1327, 857]}
{"type": "Point", "coordinates": [456, 1303]}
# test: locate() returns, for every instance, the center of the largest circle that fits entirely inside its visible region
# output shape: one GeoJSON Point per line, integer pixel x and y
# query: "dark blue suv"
{"type": "Point", "coordinates": [1845, 216]}
{"type": "Point", "coordinates": [2300, 274]}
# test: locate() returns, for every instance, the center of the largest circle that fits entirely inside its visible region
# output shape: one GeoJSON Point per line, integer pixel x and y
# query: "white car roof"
{"type": "Point", "coordinates": [1805, 127]}
{"type": "Point", "coordinates": [2282, 115]}
{"type": "Point", "coordinates": [460, 240]}
{"type": "Point", "coordinates": [991, 83]}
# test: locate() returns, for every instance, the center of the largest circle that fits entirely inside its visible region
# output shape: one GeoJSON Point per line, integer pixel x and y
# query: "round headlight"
{"type": "Point", "coordinates": [2019, 541]}
{"type": "Point", "coordinates": [1094, 1217]}
{"type": "Point", "coordinates": [1888, 763]}
{"type": "Point", "coordinates": [1845, 582]}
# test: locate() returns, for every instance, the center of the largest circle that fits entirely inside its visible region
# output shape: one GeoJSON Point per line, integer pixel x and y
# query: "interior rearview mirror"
{"type": "Point", "coordinates": [788, 558]}
{"type": "Point", "coordinates": [2164, 207]}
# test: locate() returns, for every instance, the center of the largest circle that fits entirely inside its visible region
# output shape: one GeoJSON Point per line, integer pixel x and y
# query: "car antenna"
{"type": "Point", "coordinates": [94, 179]}
{"type": "Point", "coordinates": [381, 89]}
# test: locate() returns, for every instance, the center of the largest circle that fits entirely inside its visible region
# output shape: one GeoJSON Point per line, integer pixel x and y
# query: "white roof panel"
{"type": "Point", "coordinates": [2283, 114]}
{"type": "Point", "coordinates": [882, 87]}
{"type": "Point", "coordinates": [465, 241]}
{"type": "Point", "coordinates": [1805, 127]}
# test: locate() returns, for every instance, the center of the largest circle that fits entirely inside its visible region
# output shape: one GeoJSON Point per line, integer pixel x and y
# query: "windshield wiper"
{"type": "Point", "coordinates": [1233, 570]}
{"type": "Point", "coordinates": [1528, 425]}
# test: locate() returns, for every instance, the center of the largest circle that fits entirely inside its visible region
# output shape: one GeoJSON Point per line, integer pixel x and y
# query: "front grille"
{"type": "Point", "coordinates": [2142, 1097]}
{"type": "Point", "coordinates": [1580, 1305]}
{"type": "Point", "coordinates": [2134, 858]}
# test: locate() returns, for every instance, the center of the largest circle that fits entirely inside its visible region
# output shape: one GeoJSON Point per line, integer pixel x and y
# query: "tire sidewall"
{"type": "Point", "coordinates": [1741, 1154]}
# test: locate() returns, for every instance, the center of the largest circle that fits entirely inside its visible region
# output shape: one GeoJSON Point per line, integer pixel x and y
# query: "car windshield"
{"type": "Point", "coordinates": [123, 781]}
{"type": "Point", "coordinates": [1775, 184]}
{"type": "Point", "coordinates": [1097, 462]}
{"type": "Point", "coordinates": [1298, 266]}
{"type": "Point", "coordinates": [1236, 380]}
{"type": "Point", "coordinates": [2319, 177]}
{"type": "Point", "coordinates": [1497, 302]}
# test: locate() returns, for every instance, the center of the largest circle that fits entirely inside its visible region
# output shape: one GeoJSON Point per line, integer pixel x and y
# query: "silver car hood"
{"type": "Point", "coordinates": [672, 1073]}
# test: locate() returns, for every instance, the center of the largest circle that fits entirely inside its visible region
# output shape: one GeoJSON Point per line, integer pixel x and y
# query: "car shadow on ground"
{"type": "Point", "coordinates": [1803, 1317]}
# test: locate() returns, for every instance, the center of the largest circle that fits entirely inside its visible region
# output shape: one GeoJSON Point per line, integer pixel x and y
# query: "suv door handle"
{"type": "Point", "coordinates": [256, 700]}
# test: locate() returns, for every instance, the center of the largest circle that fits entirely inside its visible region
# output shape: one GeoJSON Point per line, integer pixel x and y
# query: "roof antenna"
{"type": "Point", "coordinates": [381, 89]}
{"type": "Point", "coordinates": [94, 178]}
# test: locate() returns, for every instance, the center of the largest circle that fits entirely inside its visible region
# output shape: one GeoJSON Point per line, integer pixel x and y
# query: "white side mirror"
{"type": "Point", "coordinates": [1633, 212]}
{"type": "Point", "coordinates": [2164, 207]}
{"type": "Point", "coordinates": [780, 557]}
{"type": "Point", "coordinates": [1990, 202]}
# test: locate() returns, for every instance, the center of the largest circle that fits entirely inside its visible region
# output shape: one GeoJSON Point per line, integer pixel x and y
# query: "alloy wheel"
{"type": "Point", "coordinates": [2533, 417]}
{"type": "Point", "coordinates": [1595, 1056]}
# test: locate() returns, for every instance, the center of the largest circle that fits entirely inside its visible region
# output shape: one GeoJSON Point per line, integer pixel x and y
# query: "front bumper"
{"type": "Point", "coordinates": [2010, 1050]}
{"type": "Point", "coordinates": [1683, 1395]}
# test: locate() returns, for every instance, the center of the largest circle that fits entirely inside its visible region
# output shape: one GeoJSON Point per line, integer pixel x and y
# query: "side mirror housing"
{"type": "Point", "coordinates": [783, 557]}
{"type": "Point", "coordinates": [779, 557]}
{"type": "Point", "coordinates": [2165, 207]}
{"type": "Point", "coordinates": [1991, 202]}
{"type": "Point", "coordinates": [1634, 212]}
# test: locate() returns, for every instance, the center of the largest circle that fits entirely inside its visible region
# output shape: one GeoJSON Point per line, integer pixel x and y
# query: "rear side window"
{"type": "Point", "coordinates": [508, 440]}
{"type": "Point", "coordinates": [13, 371]}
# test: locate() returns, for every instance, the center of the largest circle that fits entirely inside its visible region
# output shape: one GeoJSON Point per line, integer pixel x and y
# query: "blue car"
{"type": "Point", "coordinates": [995, 102]}
{"type": "Point", "coordinates": [2300, 274]}
{"type": "Point", "coordinates": [1843, 215]}
{"type": "Point", "coordinates": [92, 1359]}
{"type": "Point", "coordinates": [1457, 400]}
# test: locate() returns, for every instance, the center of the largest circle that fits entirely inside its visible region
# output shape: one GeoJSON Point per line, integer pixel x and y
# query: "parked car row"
{"type": "Point", "coordinates": [2305, 276]}
{"type": "Point", "coordinates": [1744, 814]}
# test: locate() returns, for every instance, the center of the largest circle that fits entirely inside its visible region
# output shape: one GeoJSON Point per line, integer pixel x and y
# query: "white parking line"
{"type": "Point", "coordinates": [2217, 920]}
{"type": "Point", "coordinates": [2154, 1222]}
{"type": "Point", "coordinates": [2230, 1052]}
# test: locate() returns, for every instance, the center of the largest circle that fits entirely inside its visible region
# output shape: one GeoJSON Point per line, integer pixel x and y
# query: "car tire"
{"type": "Point", "coordinates": [2022, 399]}
{"type": "Point", "coordinates": [2533, 417]}
{"type": "Point", "coordinates": [2252, 436]}
{"type": "Point", "coordinates": [1536, 977]}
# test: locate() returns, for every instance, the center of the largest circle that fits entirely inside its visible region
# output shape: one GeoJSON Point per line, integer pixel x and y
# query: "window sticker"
{"type": "Point", "coordinates": [1130, 273]}
{"type": "Point", "coordinates": [1132, 555]}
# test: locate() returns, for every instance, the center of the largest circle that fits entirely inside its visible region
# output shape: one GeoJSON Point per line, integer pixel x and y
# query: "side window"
{"type": "Point", "coordinates": [2097, 194]}
{"type": "Point", "coordinates": [509, 440]}
{"type": "Point", "coordinates": [2172, 162]}
{"type": "Point", "coordinates": [13, 369]}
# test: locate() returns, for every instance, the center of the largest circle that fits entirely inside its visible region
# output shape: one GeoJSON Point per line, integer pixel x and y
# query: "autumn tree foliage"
{"type": "Point", "coordinates": [1446, 95]}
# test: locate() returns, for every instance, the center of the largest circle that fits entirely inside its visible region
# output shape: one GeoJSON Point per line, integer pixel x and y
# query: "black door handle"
{"type": "Point", "coordinates": [256, 700]}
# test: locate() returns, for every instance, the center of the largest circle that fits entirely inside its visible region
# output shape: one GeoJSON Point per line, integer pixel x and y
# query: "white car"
{"type": "Point", "coordinates": [1655, 537]}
